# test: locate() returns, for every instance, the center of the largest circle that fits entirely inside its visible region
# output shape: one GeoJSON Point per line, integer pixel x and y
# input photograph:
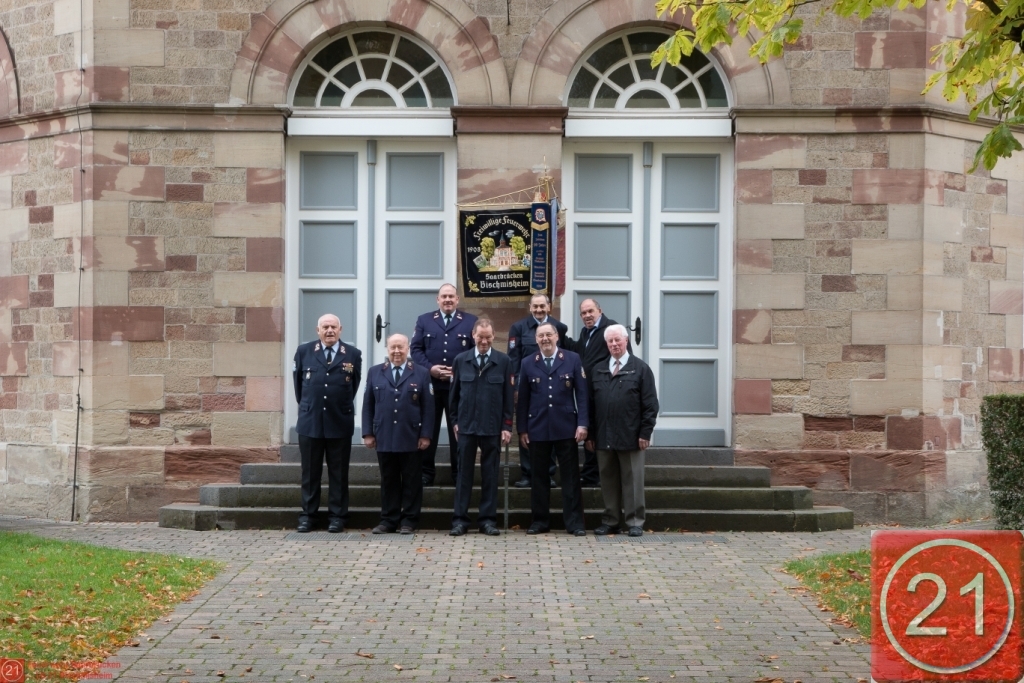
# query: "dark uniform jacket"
{"type": "Point", "coordinates": [398, 416]}
{"type": "Point", "coordinates": [623, 408]}
{"type": "Point", "coordinates": [522, 339]}
{"type": "Point", "coordinates": [432, 344]}
{"type": "Point", "coordinates": [480, 401]}
{"type": "Point", "coordinates": [596, 352]}
{"type": "Point", "coordinates": [326, 394]}
{"type": "Point", "coordinates": [552, 404]}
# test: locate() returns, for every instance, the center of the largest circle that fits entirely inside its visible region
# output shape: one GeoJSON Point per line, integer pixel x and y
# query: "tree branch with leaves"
{"type": "Point", "coordinates": [985, 66]}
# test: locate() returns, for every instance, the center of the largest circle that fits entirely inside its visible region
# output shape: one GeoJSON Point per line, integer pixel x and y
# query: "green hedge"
{"type": "Point", "coordinates": [1002, 431]}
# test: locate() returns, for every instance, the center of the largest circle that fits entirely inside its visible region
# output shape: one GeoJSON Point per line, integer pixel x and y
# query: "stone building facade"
{"type": "Point", "coordinates": [824, 286]}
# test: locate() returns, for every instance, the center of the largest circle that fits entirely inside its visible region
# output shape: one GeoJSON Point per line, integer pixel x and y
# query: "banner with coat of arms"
{"type": "Point", "coordinates": [505, 251]}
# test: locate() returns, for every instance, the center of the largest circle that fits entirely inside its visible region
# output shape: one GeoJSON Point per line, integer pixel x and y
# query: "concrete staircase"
{"type": "Point", "coordinates": [691, 489]}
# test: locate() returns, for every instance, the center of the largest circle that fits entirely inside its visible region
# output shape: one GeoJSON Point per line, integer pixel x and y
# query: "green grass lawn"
{"type": "Point", "coordinates": [64, 606]}
{"type": "Point", "coordinates": [842, 583]}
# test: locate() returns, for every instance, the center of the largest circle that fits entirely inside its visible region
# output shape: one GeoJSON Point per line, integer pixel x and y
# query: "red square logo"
{"type": "Point", "coordinates": [12, 670]}
{"type": "Point", "coordinates": [945, 606]}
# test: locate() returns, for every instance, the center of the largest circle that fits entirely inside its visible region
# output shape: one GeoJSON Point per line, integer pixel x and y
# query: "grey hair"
{"type": "Point", "coordinates": [616, 329]}
{"type": "Point", "coordinates": [396, 334]}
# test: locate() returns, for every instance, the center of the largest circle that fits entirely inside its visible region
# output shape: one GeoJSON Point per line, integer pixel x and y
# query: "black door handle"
{"type": "Point", "coordinates": [381, 325]}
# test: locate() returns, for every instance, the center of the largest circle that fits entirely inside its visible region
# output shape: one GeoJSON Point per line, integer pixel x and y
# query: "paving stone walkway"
{"type": "Point", "coordinates": [679, 607]}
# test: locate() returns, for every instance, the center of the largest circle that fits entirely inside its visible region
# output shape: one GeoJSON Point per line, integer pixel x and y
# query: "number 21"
{"type": "Point", "coordinates": [977, 584]}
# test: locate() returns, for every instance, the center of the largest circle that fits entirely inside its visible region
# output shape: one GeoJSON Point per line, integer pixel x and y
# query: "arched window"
{"type": "Point", "coordinates": [618, 75]}
{"type": "Point", "coordinates": [377, 69]}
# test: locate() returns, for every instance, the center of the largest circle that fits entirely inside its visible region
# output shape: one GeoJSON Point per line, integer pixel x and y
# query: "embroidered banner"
{"type": "Point", "coordinates": [500, 251]}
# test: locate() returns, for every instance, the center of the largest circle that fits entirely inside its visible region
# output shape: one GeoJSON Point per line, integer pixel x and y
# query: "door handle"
{"type": "Point", "coordinates": [381, 325]}
{"type": "Point", "coordinates": [637, 329]}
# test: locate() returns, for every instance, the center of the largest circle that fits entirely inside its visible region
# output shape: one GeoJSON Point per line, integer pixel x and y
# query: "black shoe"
{"type": "Point", "coordinates": [428, 481]}
{"type": "Point", "coordinates": [579, 532]}
{"type": "Point", "coordinates": [605, 530]}
{"type": "Point", "coordinates": [335, 527]}
{"type": "Point", "coordinates": [304, 527]}
{"type": "Point", "coordinates": [534, 530]}
{"type": "Point", "coordinates": [406, 530]}
{"type": "Point", "coordinates": [382, 529]}
{"type": "Point", "coordinates": [458, 530]}
{"type": "Point", "coordinates": [490, 530]}
{"type": "Point", "coordinates": [553, 484]}
{"type": "Point", "coordinates": [635, 531]}
{"type": "Point", "coordinates": [589, 484]}
{"type": "Point", "coordinates": [523, 483]}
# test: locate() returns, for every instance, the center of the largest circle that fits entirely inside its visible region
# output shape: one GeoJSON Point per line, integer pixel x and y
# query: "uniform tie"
{"type": "Point", "coordinates": [398, 374]}
{"type": "Point", "coordinates": [548, 362]}
{"type": "Point", "coordinates": [615, 370]}
{"type": "Point", "coordinates": [481, 360]}
{"type": "Point", "coordinates": [330, 355]}
{"type": "Point", "coordinates": [447, 319]}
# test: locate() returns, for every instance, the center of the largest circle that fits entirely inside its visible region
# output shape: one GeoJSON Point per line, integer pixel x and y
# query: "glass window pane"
{"type": "Point", "coordinates": [403, 307]}
{"type": "Point", "coordinates": [689, 252]}
{"type": "Point", "coordinates": [315, 303]}
{"type": "Point", "coordinates": [413, 55]}
{"type": "Point", "coordinates": [373, 98]}
{"type": "Point", "coordinates": [689, 320]}
{"type": "Point", "coordinates": [690, 183]}
{"type": "Point", "coordinates": [613, 305]}
{"type": "Point", "coordinates": [415, 181]}
{"type": "Point", "coordinates": [606, 97]}
{"type": "Point", "coordinates": [582, 87]}
{"type": "Point", "coordinates": [673, 77]}
{"type": "Point", "coordinates": [307, 88]}
{"type": "Point", "coordinates": [688, 97]}
{"type": "Point", "coordinates": [607, 55]}
{"type": "Point", "coordinates": [373, 42]}
{"type": "Point", "coordinates": [439, 88]}
{"type": "Point", "coordinates": [714, 89]}
{"type": "Point", "coordinates": [414, 96]}
{"type": "Point", "coordinates": [604, 182]}
{"type": "Point", "coordinates": [332, 96]}
{"type": "Point", "coordinates": [695, 62]}
{"type": "Point", "coordinates": [695, 385]}
{"type": "Point", "coordinates": [349, 75]}
{"type": "Point", "coordinates": [646, 42]}
{"type": "Point", "coordinates": [328, 181]}
{"type": "Point", "coordinates": [603, 252]}
{"type": "Point", "coordinates": [414, 250]}
{"type": "Point", "coordinates": [622, 77]}
{"type": "Point", "coordinates": [643, 67]}
{"type": "Point", "coordinates": [398, 75]}
{"type": "Point", "coordinates": [327, 249]}
{"type": "Point", "coordinates": [333, 55]}
{"type": "Point", "coordinates": [647, 99]}
{"type": "Point", "coordinates": [373, 68]}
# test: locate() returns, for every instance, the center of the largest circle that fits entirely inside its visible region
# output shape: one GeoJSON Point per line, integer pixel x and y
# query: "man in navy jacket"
{"type": "Point", "coordinates": [326, 375]}
{"type": "Point", "coordinates": [552, 417]}
{"type": "Point", "coordinates": [398, 417]}
{"type": "Point", "coordinates": [439, 336]}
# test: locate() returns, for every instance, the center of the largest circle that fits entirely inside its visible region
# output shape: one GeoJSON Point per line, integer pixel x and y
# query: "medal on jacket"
{"type": "Point", "coordinates": [307, 373]}
{"type": "Point", "coordinates": [568, 384]}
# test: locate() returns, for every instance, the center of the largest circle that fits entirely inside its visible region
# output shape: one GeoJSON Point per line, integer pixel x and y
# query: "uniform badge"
{"type": "Point", "coordinates": [463, 342]}
{"type": "Point", "coordinates": [307, 373]}
{"type": "Point", "coordinates": [560, 355]}
{"type": "Point", "coordinates": [431, 389]}
{"type": "Point", "coordinates": [583, 373]}
{"type": "Point", "coordinates": [568, 384]}
{"type": "Point", "coordinates": [317, 347]}
{"type": "Point", "coordinates": [511, 343]}
{"type": "Point", "coordinates": [341, 349]}
{"type": "Point", "coordinates": [347, 367]}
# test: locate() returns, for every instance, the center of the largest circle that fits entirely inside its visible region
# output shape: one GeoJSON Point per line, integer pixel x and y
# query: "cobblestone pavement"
{"type": "Point", "coordinates": [707, 607]}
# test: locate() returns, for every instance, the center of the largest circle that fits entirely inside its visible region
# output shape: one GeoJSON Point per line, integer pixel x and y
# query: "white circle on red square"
{"type": "Point", "coordinates": [960, 649]}
{"type": "Point", "coordinates": [12, 670]}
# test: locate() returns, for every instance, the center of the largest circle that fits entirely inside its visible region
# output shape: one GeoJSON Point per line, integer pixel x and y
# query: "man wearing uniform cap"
{"type": "Point", "coordinates": [523, 344]}
{"type": "Point", "coordinates": [440, 336]}
{"type": "Point", "coordinates": [326, 375]}
{"type": "Point", "coordinates": [398, 418]}
{"type": "Point", "coordinates": [552, 417]}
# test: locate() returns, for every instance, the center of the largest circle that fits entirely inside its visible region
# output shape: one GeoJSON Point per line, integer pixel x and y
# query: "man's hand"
{"type": "Point", "coordinates": [422, 443]}
{"type": "Point", "coordinates": [590, 445]}
{"type": "Point", "coordinates": [645, 444]}
{"type": "Point", "coordinates": [524, 439]}
{"type": "Point", "coordinates": [370, 441]}
{"type": "Point", "coordinates": [581, 434]}
{"type": "Point", "coordinates": [506, 437]}
{"type": "Point", "coordinates": [436, 371]}
{"type": "Point", "coordinates": [455, 429]}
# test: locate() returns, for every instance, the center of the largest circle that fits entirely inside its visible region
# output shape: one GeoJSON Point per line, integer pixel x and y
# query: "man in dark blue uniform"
{"type": "Point", "coordinates": [440, 336]}
{"type": "Point", "coordinates": [552, 417]}
{"type": "Point", "coordinates": [481, 408]}
{"type": "Point", "coordinates": [522, 344]}
{"type": "Point", "coordinates": [326, 375]}
{"type": "Point", "coordinates": [398, 417]}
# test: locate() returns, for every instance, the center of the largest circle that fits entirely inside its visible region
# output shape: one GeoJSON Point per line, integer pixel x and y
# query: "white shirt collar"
{"type": "Point", "coordinates": [545, 358]}
{"type": "Point", "coordinates": [478, 354]}
{"type": "Point", "coordinates": [622, 362]}
{"type": "Point", "coordinates": [333, 348]}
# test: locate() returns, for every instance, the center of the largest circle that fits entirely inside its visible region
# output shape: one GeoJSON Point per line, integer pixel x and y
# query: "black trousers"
{"type": "Point", "coordinates": [429, 453]}
{"type": "Point", "coordinates": [525, 466]}
{"type": "Point", "coordinates": [543, 452]}
{"type": "Point", "coordinates": [312, 453]}
{"type": "Point", "coordinates": [401, 489]}
{"type": "Point", "coordinates": [490, 447]}
{"type": "Point", "coordinates": [591, 474]}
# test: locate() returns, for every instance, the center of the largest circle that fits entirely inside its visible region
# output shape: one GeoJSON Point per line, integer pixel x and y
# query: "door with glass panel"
{"type": "Point", "coordinates": [370, 232]}
{"type": "Point", "coordinates": [649, 229]}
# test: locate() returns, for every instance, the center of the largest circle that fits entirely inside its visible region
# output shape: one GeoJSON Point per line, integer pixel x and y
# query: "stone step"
{"type": "Point", "coordinates": [719, 457]}
{"type": "Point", "coordinates": [822, 518]}
{"type": "Point", "coordinates": [657, 497]}
{"type": "Point", "coordinates": [654, 475]}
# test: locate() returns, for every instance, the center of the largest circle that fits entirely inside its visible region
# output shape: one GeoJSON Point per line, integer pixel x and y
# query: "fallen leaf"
{"type": "Point", "coordinates": [371, 621]}
{"type": "Point", "coordinates": [719, 628]}
{"type": "Point", "coordinates": [188, 671]}
{"type": "Point", "coordinates": [326, 641]}
{"type": "Point", "coordinates": [248, 669]}
{"type": "Point", "coordinates": [552, 661]}
{"type": "Point", "coordinates": [320, 590]}
{"type": "Point", "coordinates": [768, 679]}
{"type": "Point", "coordinates": [214, 636]}
{"type": "Point", "coordinates": [398, 667]}
{"type": "Point", "coordinates": [613, 652]}
{"type": "Point", "coordinates": [643, 678]}
{"type": "Point", "coordinates": [500, 593]}
{"type": "Point", "coordinates": [423, 550]}
{"type": "Point", "coordinates": [588, 562]}
{"type": "Point", "coordinates": [643, 595]}
{"type": "Point", "coordinates": [586, 637]}
{"type": "Point", "coordinates": [479, 565]}
{"type": "Point", "coordinates": [221, 674]}
{"type": "Point", "coordinates": [508, 677]}
{"type": "Point", "coordinates": [366, 655]}
{"type": "Point", "coordinates": [502, 648]}
{"type": "Point", "coordinates": [855, 575]}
